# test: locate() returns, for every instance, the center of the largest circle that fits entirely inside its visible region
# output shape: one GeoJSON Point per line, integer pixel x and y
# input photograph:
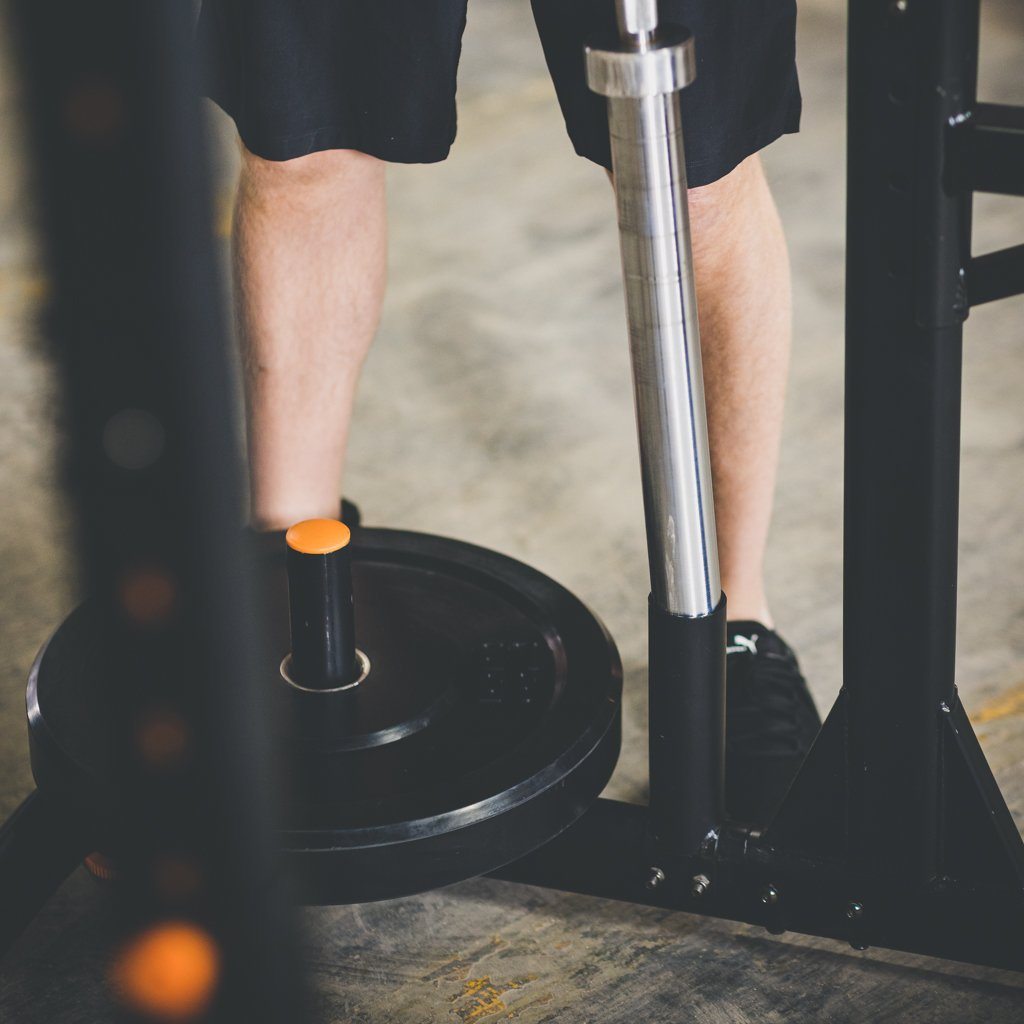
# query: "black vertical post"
{"type": "Point", "coordinates": [138, 329]}
{"type": "Point", "coordinates": [912, 69]}
{"type": "Point", "coordinates": [322, 615]}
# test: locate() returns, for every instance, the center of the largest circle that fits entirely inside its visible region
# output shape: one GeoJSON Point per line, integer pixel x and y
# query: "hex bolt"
{"type": "Point", "coordinates": [699, 885]}
{"type": "Point", "coordinates": [654, 879]}
{"type": "Point", "coordinates": [769, 895]}
{"type": "Point", "coordinates": [855, 913]}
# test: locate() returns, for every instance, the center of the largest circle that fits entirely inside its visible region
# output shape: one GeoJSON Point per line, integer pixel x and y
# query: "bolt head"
{"type": "Point", "coordinates": [769, 895]}
{"type": "Point", "coordinates": [854, 910]}
{"type": "Point", "coordinates": [654, 879]}
{"type": "Point", "coordinates": [699, 885]}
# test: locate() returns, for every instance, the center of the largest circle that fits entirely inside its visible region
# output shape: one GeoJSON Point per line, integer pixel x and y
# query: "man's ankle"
{"type": "Point", "coordinates": [271, 521]}
{"type": "Point", "coordinates": [748, 608]}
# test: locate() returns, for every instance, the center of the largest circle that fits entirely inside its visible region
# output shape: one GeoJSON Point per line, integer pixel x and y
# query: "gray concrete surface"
{"type": "Point", "coordinates": [496, 407]}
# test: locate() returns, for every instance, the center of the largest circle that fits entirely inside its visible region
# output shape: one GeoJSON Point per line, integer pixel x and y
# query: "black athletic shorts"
{"type": "Point", "coordinates": [378, 76]}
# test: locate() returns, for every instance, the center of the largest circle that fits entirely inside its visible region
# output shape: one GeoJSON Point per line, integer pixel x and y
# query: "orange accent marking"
{"type": "Point", "coordinates": [99, 865]}
{"type": "Point", "coordinates": [169, 972]}
{"type": "Point", "coordinates": [1003, 705]}
{"type": "Point", "coordinates": [318, 536]}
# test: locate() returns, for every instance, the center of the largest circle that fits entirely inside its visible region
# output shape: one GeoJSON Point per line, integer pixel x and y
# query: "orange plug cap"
{"type": "Point", "coordinates": [318, 536]}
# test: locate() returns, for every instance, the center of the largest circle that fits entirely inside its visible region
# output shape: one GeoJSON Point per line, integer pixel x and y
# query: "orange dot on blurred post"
{"type": "Point", "coordinates": [162, 738]}
{"type": "Point", "coordinates": [177, 877]}
{"type": "Point", "coordinates": [95, 111]}
{"type": "Point", "coordinates": [148, 595]}
{"type": "Point", "coordinates": [169, 972]}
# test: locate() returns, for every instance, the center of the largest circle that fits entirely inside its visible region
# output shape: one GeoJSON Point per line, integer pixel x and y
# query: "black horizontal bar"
{"type": "Point", "coordinates": [986, 150]}
{"type": "Point", "coordinates": [613, 868]}
{"type": "Point", "coordinates": [40, 845]}
{"type": "Point", "coordinates": [996, 275]}
{"type": "Point", "coordinates": [608, 854]}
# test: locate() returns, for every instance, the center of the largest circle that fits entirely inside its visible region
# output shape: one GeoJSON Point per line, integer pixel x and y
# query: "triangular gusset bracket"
{"type": "Point", "coordinates": [980, 846]}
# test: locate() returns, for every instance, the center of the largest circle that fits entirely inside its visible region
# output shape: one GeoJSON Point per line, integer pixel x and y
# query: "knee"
{"type": "Point", "coordinates": [719, 210]}
{"type": "Point", "coordinates": [310, 176]}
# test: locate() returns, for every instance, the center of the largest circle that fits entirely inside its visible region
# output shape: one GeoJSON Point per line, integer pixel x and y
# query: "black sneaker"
{"type": "Point", "coordinates": [350, 514]}
{"type": "Point", "coordinates": [272, 540]}
{"type": "Point", "coordinates": [771, 721]}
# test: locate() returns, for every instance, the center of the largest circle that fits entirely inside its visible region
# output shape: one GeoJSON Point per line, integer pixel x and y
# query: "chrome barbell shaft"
{"type": "Point", "coordinates": [642, 80]}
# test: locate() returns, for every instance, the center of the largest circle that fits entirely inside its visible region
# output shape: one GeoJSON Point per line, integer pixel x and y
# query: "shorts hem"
{"type": "Point", "coordinates": [279, 148]}
{"type": "Point", "coordinates": [708, 169]}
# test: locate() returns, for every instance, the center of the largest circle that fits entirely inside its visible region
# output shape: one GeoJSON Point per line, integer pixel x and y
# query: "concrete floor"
{"type": "Point", "coordinates": [496, 407]}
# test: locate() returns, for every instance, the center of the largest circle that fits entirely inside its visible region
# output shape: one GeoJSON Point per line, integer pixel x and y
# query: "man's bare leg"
{"type": "Point", "coordinates": [743, 293]}
{"type": "Point", "coordinates": [310, 251]}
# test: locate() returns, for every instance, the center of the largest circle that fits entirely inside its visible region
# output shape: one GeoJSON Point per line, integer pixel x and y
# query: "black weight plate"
{"type": "Point", "coordinates": [487, 724]}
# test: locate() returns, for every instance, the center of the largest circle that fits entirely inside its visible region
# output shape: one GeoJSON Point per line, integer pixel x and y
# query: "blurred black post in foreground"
{"type": "Point", "coordinates": [137, 325]}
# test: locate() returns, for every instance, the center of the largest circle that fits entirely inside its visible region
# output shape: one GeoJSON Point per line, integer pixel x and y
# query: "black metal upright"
{"type": "Point", "coordinates": [912, 69]}
{"type": "Point", "coordinates": [913, 72]}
